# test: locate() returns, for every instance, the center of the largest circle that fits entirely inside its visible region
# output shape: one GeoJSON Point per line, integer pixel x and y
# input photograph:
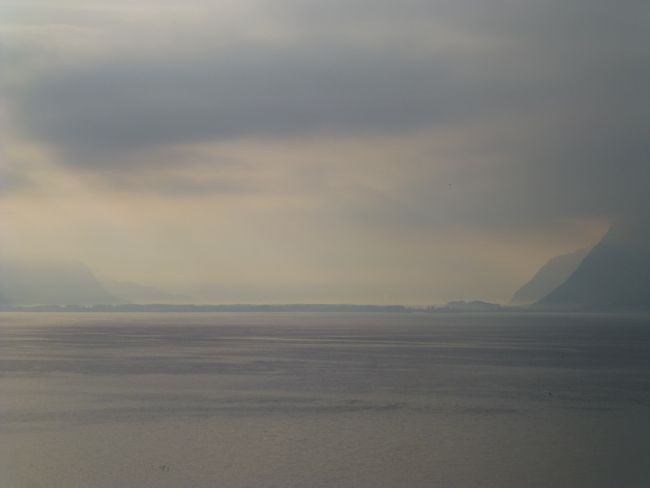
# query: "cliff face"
{"type": "Point", "coordinates": [615, 274]}
{"type": "Point", "coordinates": [555, 272]}
{"type": "Point", "coordinates": [50, 283]}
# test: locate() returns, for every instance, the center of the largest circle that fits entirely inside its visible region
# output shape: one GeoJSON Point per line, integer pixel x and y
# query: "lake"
{"type": "Point", "coordinates": [258, 400]}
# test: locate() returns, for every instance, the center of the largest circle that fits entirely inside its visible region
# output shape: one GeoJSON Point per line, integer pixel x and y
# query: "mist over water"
{"type": "Point", "coordinates": [324, 400]}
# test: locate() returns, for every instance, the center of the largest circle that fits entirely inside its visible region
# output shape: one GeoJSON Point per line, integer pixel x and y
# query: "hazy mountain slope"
{"type": "Point", "coordinates": [555, 272]}
{"type": "Point", "coordinates": [615, 275]}
{"type": "Point", "coordinates": [50, 282]}
{"type": "Point", "coordinates": [136, 293]}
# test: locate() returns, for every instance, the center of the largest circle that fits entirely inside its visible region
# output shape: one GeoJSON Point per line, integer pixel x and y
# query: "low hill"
{"type": "Point", "coordinates": [50, 282]}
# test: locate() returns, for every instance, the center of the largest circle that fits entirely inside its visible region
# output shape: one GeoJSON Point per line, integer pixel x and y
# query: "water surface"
{"type": "Point", "coordinates": [324, 400]}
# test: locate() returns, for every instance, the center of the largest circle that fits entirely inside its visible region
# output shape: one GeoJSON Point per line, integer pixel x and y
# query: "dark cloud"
{"type": "Point", "coordinates": [117, 105]}
{"type": "Point", "coordinates": [570, 76]}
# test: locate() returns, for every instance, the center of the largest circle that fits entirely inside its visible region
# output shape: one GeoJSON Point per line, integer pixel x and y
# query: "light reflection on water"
{"type": "Point", "coordinates": [293, 400]}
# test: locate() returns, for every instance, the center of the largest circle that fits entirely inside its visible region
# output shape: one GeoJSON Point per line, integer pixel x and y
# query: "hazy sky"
{"type": "Point", "coordinates": [409, 151]}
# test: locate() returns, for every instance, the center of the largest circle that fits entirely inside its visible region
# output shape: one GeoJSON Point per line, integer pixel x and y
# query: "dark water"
{"type": "Point", "coordinates": [308, 400]}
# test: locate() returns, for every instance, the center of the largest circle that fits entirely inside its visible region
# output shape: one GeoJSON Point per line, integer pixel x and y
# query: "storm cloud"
{"type": "Point", "coordinates": [573, 72]}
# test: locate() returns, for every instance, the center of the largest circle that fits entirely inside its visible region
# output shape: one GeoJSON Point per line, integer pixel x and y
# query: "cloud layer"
{"type": "Point", "coordinates": [412, 118]}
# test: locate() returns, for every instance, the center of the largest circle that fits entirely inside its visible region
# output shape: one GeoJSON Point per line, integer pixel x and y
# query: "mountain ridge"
{"type": "Point", "coordinates": [613, 276]}
{"type": "Point", "coordinates": [548, 277]}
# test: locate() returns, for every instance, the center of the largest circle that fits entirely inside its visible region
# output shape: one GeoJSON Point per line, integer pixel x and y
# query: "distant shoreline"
{"type": "Point", "coordinates": [240, 308]}
{"type": "Point", "coordinates": [211, 308]}
{"type": "Point", "coordinates": [452, 308]}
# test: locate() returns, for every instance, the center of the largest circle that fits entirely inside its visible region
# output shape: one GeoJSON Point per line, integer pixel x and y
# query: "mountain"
{"type": "Point", "coordinates": [50, 282]}
{"type": "Point", "coordinates": [136, 293]}
{"type": "Point", "coordinates": [615, 275]}
{"type": "Point", "coordinates": [555, 272]}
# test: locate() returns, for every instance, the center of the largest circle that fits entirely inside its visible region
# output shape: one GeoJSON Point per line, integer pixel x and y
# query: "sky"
{"type": "Point", "coordinates": [360, 151]}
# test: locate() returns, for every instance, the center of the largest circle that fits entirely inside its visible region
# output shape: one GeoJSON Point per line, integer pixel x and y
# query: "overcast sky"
{"type": "Point", "coordinates": [410, 151]}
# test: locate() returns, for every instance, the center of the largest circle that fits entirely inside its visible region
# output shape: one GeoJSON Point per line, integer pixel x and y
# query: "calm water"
{"type": "Point", "coordinates": [308, 400]}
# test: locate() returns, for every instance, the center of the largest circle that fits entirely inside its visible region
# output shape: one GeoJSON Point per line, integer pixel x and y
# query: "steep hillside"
{"type": "Point", "coordinates": [615, 275]}
{"type": "Point", "coordinates": [555, 272]}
